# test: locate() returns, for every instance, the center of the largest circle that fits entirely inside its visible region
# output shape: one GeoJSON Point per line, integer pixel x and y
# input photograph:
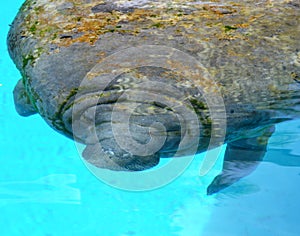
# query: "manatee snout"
{"type": "Point", "coordinates": [125, 135]}
{"type": "Point", "coordinates": [119, 140]}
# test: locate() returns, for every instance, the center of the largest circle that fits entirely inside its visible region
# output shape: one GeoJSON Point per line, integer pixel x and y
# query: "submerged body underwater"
{"type": "Point", "coordinates": [141, 84]}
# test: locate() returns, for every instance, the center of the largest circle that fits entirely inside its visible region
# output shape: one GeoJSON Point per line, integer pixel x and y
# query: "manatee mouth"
{"type": "Point", "coordinates": [125, 132]}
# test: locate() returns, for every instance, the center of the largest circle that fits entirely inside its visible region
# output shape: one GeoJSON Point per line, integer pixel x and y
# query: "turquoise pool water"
{"type": "Point", "coordinates": [45, 189]}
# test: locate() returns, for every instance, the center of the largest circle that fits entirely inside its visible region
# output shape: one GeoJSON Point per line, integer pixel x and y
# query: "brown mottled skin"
{"type": "Point", "coordinates": [251, 49]}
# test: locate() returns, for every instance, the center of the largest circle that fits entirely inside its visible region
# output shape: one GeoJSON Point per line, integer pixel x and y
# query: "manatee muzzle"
{"type": "Point", "coordinates": [130, 129]}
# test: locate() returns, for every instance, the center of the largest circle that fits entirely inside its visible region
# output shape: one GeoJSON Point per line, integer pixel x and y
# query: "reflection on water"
{"type": "Point", "coordinates": [48, 189]}
{"type": "Point", "coordinates": [287, 139]}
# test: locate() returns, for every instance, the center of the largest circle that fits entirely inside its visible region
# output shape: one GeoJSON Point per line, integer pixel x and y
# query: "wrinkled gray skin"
{"type": "Point", "coordinates": [256, 66]}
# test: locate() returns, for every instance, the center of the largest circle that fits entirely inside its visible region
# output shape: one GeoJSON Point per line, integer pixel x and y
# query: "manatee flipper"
{"type": "Point", "coordinates": [22, 102]}
{"type": "Point", "coordinates": [241, 158]}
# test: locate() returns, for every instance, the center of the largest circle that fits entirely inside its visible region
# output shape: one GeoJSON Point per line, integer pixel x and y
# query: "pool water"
{"type": "Point", "coordinates": [45, 189]}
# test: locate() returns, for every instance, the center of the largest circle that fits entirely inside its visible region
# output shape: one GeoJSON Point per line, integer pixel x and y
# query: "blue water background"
{"type": "Point", "coordinates": [45, 189]}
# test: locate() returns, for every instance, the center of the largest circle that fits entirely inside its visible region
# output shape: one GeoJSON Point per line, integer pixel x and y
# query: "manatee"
{"type": "Point", "coordinates": [122, 78]}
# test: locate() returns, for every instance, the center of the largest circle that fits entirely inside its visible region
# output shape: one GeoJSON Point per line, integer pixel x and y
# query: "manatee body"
{"type": "Point", "coordinates": [251, 51]}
